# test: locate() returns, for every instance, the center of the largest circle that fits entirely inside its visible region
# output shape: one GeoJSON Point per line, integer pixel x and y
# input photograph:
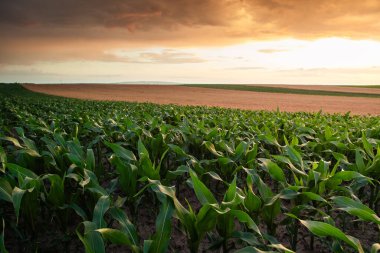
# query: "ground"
{"type": "Point", "coordinates": [181, 95]}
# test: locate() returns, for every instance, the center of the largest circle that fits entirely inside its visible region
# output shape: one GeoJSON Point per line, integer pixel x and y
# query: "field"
{"type": "Point", "coordinates": [222, 96]}
{"type": "Point", "coordinates": [109, 176]}
{"type": "Point", "coordinates": [339, 91]}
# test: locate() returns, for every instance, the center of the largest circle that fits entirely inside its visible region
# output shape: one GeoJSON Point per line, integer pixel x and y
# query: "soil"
{"type": "Point", "coordinates": [330, 88]}
{"type": "Point", "coordinates": [181, 95]}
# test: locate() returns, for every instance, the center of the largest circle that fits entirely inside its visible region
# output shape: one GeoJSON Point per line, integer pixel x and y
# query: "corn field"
{"type": "Point", "coordinates": [94, 177]}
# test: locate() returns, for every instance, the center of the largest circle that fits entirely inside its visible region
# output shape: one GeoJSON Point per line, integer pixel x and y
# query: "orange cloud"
{"type": "Point", "coordinates": [245, 18]}
{"type": "Point", "coordinates": [39, 30]}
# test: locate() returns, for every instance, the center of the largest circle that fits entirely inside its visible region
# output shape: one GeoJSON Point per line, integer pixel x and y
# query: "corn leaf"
{"type": "Point", "coordinates": [116, 236]}
{"type": "Point", "coordinates": [324, 229]}
{"type": "Point", "coordinates": [2, 242]}
{"type": "Point", "coordinates": [17, 195]}
{"type": "Point", "coordinates": [121, 152]}
{"type": "Point", "coordinates": [160, 241]}
{"type": "Point", "coordinates": [5, 190]}
{"type": "Point", "coordinates": [356, 208]}
{"type": "Point", "coordinates": [274, 170]}
{"type": "Point", "coordinates": [18, 170]}
{"type": "Point", "coordinates": [91, 239]}
{"type": "Point", "coordinates": [203, 194]}
{"type": "Point", "coordinates": [126, 225]}
{"type": "Point", "coordinates": [100, 209]}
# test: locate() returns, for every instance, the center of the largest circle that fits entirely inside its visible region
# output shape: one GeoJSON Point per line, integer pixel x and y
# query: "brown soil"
{"type": "Point", "coordinates": [181, 95]}
{"type": "Point", "coordinates": [330, 88]}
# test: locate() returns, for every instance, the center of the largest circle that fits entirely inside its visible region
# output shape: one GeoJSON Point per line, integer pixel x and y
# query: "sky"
{"type": "Point", "coordinates": [191, 41]}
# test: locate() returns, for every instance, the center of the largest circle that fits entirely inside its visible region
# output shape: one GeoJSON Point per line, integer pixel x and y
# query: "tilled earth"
{"type": "Point", "coordinates": [181, 95]}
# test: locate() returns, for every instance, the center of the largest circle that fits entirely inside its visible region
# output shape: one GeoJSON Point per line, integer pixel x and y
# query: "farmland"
{"type": "Point", "coordinates": [298, 89]}
{"type": "Point", "coordinates": [350, 99]}
{"type": "Point", "coordinates": [111, 176]}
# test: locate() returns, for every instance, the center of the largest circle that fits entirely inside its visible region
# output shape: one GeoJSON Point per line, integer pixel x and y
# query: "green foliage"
{"type": "Point", "coordinates": [225, 178]}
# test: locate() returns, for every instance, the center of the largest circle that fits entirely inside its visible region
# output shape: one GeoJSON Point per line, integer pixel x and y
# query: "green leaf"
{"type": "Point", "coordinates": [314, 196]}
{"type": "Point", "coordinates": [114, 236]}
{"type": "Point", "coordinates": [231, 191]}
{"type": "Point", "coordinates": [121, 152]}
{"type": "Point", "coordinates": [78, 210]}
{"type": "Point", "coordinates": [14, 141]}
{"type": "Point", "coordinates": [287, 161]}
{"type": "Point", "coordinates": [100, 209]}
{"type": "Point", "coordinates": [90, 160]}
{"type": "Point", "coordinates": [179, 151]}
{"type": "Point", "coordinates": [367, 146]}
{"type": "Point", "coordinates": [186, 217]}
{"type": "Point", "coordinates": [128, 175]}
{"type": "Point", "coordinates": [264, 190]}
{"type": "Point", "coordinates": [324, 229]}
{"type": "Point", "coordinates": [251, 249]}
{"type": "Point", "coordinates": [206, 219]}
{"type": "Point", "coordinates": [56, 193]}
{"type": "Point", "coordinates": [143, 152]}
{"type": "Point", "coordinates": [147, 246]}
{"type": "Point", "coordinates": [126, 225]}
{"type": "Point", "coordinates": [274, 170]}
{"type": "Point", "coordinates": [92, 240]}
{"type": "Point", "coordinates": [342, 201]}
{"type": "Point", "coordinates": [247, 237]}
{"type": "Point", "coordinates": [281, 247]}
{"type": "Point", "coordinates": [241, 149]}
{"type": "Point", "coordinates": [359, 161]}
{"type": "Point", "coordinates": [161, 238]}
{"type": "Point", "coordinates": [3, 160]}
{"type": "Point", "coordinates": [294, 155]}
{"type": "Point", "coordinates": [225, 160]}
{"type": "Point", "coordinates": [18, 170]}
{"type": "Point", "coordinates": [203, 194]}
{"type": "Point", "coordinates": [17, 195]}
{"type": "Point", "coordinates": [251, 154]}
{"type": "Point", "coordinates": [210, 147]}
{"type": "Point", "coordinates": [356, 208]}
{"type": "Point", "coordinates": [374, 168]}
{"type": "Point", "coordinates": [347, 175]}
{"type": "Point", "coordinates": [5, 190]}
{"type": "Point", "coordinates": [2, 242]}
{"type": "Point", "coordinates": [214, 175]}
{"type": "Point", "coordinates": [182, 169]}
{"type": "Point", "coordinates": [245, 218]}
{"type": "Point", "coordinates": [362, 214]}
{"type": "Point", "coordinates": [117, 237]}
{"type": "Point", "coordinates": [251, 201]}
{"type": "Point", "coordinates": [284, 194]}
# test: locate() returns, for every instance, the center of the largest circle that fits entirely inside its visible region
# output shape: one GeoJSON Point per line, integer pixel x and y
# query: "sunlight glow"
{"type": "Point", "coordinates": [323, 61]}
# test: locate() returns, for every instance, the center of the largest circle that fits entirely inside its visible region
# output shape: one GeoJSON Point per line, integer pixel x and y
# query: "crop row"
{"type": "Point", "coordinates": [114, 176]}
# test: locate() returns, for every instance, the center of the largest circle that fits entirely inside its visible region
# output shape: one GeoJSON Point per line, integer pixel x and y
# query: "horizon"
{"type": "Point", "coordinates": [191, 42]}
{"type": "Point", "coordinates": [180, 84]}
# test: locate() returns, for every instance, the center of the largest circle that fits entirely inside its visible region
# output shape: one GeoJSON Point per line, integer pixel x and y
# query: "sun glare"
{"type": "Point", "coordinates": [291, 53]}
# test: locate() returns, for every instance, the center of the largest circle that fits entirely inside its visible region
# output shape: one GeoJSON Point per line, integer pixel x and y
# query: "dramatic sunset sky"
{"type": "Point", "coordinates": [191, 41]}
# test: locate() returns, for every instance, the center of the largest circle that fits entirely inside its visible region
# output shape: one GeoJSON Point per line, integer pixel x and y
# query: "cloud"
{"type": "Point", "coordinates": [246, 68]}
{"type": "Point", "coordinates": [271, 50]}
{"type": "Point", "coordinates": [142, 14]}
{"type": "Point", "coordinates": [315, 19]}
{"type": "Point", "coordinates": [169, 56]}
{"type": "Point", "coordinates": [165, 56]}
{"type": "Point", "coordinates": [40, 30]}
{"type": "Point", "coordinates": [254, 19]}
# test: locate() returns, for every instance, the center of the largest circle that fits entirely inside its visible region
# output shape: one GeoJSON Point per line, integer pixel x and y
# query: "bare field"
{"type": "Point", "coordinates": [181, 95]}
{"type": "Point", "coordinates": [329, 88]}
